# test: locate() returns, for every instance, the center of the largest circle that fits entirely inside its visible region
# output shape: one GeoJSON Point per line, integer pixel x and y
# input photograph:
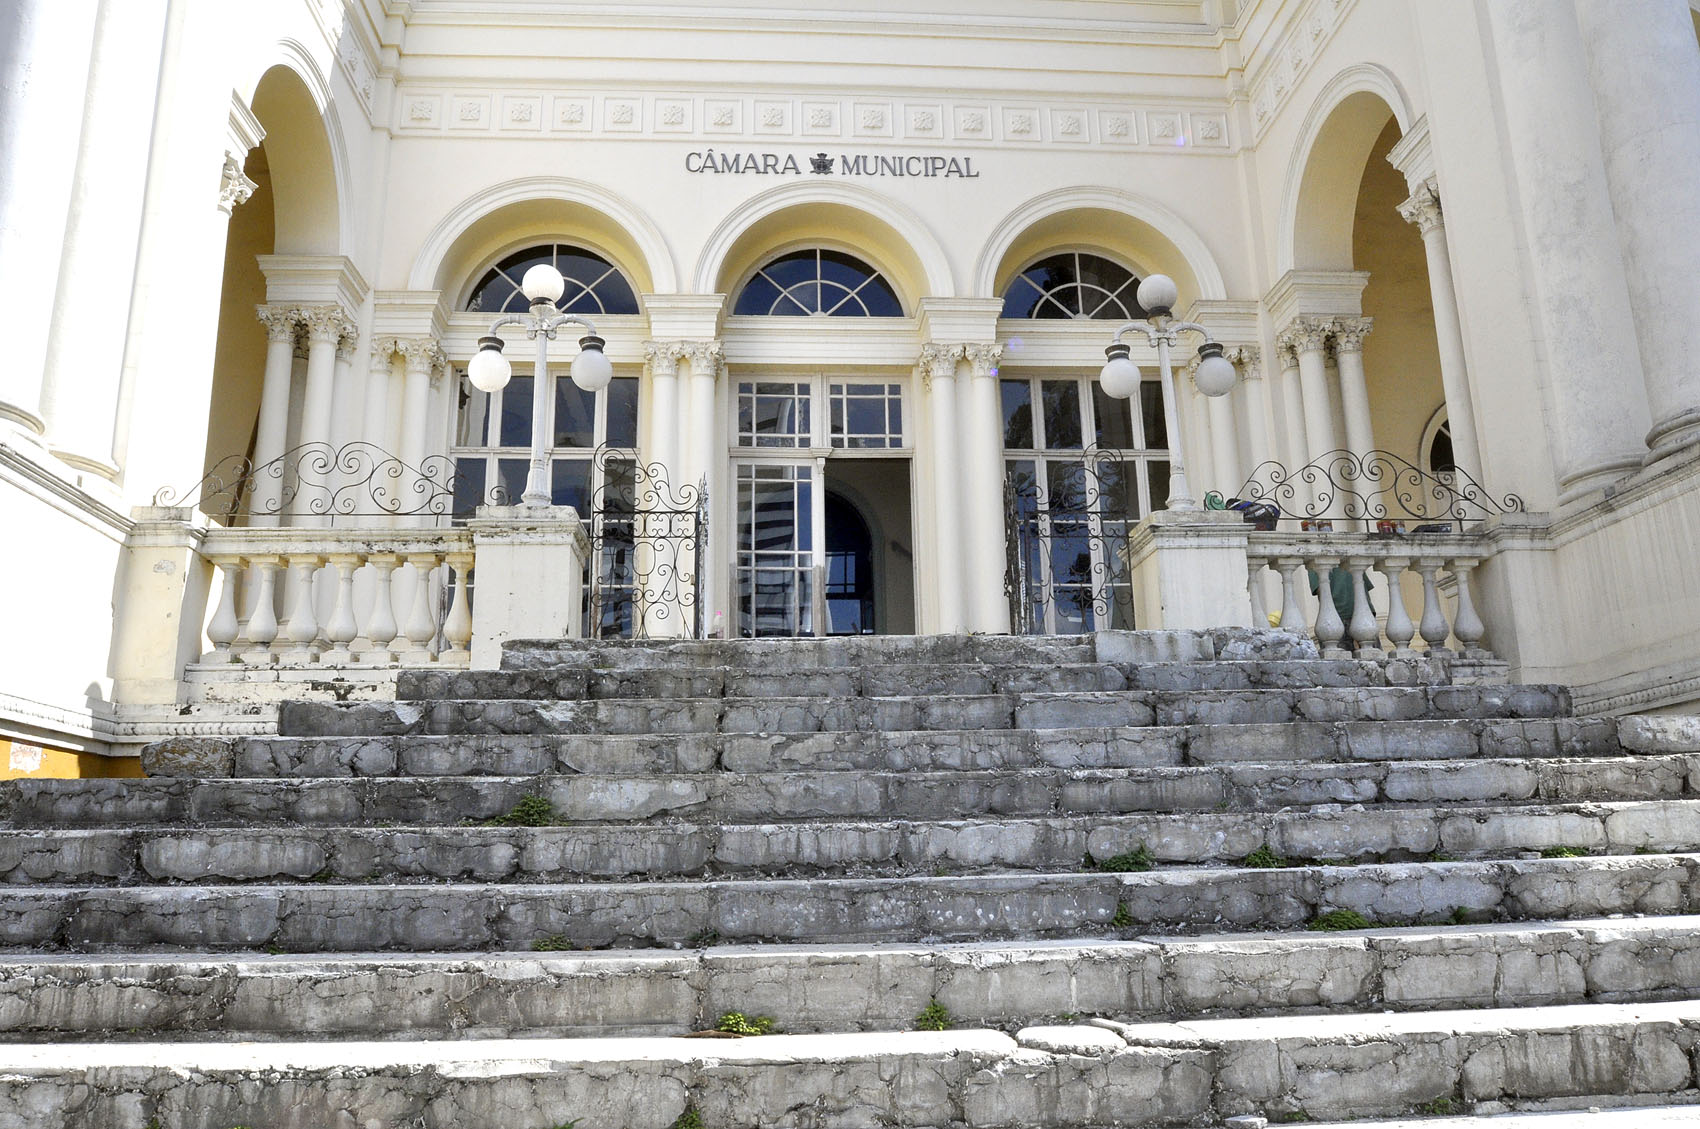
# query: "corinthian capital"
{"type": "Point", "coordinates": [1349, 334]}
{"type": "Point", "coordinates": [234, 187]}
{"type": "Point", "coordinates": [384, 350]}
{"type": "Point", "coordinates": [1248, 359]}
{"type": "Point", "coordinates": [938, 361]}
{"type": "Point", "coordinates": [705, 356]}
{"type": "Point", "coordinates": [984, 359]}
{"type": "Point", "coordinates": [1422, 207]}
{"type": "Point", "coordinates": [422, 354]}
{"type": "Point", "coordinates": [281, 322]}
{"type": "Point", "coordinates": [662, 357]}
{"type": "Point", "coordinates": [1305, 335]}
{"type": "Point", "coordinates": [326, 324]}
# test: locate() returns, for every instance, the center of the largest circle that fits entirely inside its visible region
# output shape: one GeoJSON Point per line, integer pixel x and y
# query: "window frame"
{"type": "Point", "coordinates": [875, 274]}
{"type": "Point", "coordinates": [1136, 273]}
{"type": "Point", "coordinates": [478, 278]}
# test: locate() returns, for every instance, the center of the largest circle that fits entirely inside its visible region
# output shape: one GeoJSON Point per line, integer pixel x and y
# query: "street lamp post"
{"type": "Point", "coordinates": [489, 370]}
{"type": "Point", "coordinates": [1120, 376]}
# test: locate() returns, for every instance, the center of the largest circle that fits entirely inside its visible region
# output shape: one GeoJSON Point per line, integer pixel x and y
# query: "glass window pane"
{"type": "Point", "coordinates": [803, 298]}
{"type": "Point", "coordinates": [1118, 490]}
{"type": "Point", "coordinates": [516, 413]}
{"type": "Point", "coordinates": [881, 299]}
{"type": "Point", "coordinates": [468, 486]}
{"type": "Point", "coordinates": [616, 295]}
{"type": "Point", "coordinates": [509, 488]}
{"type": "Point", "coordinates": [473, 429]}
{"type": "Point", "coordinates": [575, 415]}
{"type": "Point", "coordinates": [788, 270]}
{"type": "Point", "coordinates": [1019, 298]}
{"type": "Point", "coordinates": [570, 485]}
{"type": "Point", "coordinates": [1151, 416]}
{"type": "Point", "coordinates": [1114, 422]}
{"type": "Point", "coordinates": [1159, 471]}
{"type": "Point", "coordinates": [846, 270]}
{"type": "Point", "coordinates": [1062, 413]}
{"type": "Point", "coordinates": [622, 398]}
{"type": "Point", "coordinates": [1066, 487]}
{"type": "Point", "coordinates": [757, 296]}
{"type": "Point", "coordinates": [1017, 415]}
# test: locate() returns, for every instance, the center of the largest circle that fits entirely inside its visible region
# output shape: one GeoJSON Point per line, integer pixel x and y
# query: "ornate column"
{"type": "Point", "coordinates": [272, 431]}
{"type": "Point", "coordinates": [374, 416]}
{"type": "Point", "coordinates": [701, 457]}
{"type": "Point", "coordinates": [1423, 209]}
{"type": "Point", "coordinates": [347, 397]}
{"type": "Point", "coordinates": [983, 487]}
{"type": "Point", "coordinates": [1348, 335]}
{"type": "Point", "coordinates": [326, 326]}
{"type": "Point", "coordinates": [1294, 445]}
{"type": "Point", "coordinates": [1200, 449]}
{"type": "Point", "coordinates": [441, 410]}
{"type": "Point", "coordinates": [1596, 405]}
{"type": "Point", "coordinates": [1308, 338]}
{"type": "Point", "coordinates": [1249, 360]}
{"type": "Point", "coordinates": [1224, 445]}
{"type": "Point", "coordinates": [938, 375]}
{"type": "Point", "coordinates": [1645, 72]}
{"type": "Point", "coordinates": [421, 355]}
{"type": "Point", "coordinates": [662, 358]}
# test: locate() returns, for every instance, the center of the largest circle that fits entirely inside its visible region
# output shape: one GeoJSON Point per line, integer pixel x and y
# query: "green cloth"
{"type": "Point", "coordinates": [1340, 585]}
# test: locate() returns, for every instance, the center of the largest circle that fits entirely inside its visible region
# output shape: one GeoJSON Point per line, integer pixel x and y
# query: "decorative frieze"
{"type": "Point", "coordinates": [1286, 63]}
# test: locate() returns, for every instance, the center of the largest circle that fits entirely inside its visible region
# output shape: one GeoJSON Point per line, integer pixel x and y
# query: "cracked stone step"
{"type": "Point", "coordinates": [900, 750]}
{"type": "Point", "coordinates": [1494, 1117]}
{"type": "Point", "coordinates": [887, 680]}
{"type": "Point", "coordinates": [840, 988]}
{"type": "Point", "coordinates": [1001, 711]}
{"type": "Point", "coordinates": [749, 797]}
{"type": "Point", "coordinates": [463, 917]}
{"type": "Point", "coordinates": [1154, 1075]}
{"type": "Point", "coordinates": [706, 845]}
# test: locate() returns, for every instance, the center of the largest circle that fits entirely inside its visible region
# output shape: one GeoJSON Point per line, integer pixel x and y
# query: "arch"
{"type": "Point", "coordinates": [507, 215]}
{"type": "Point", "coordinates": [1328, 163]}
{"type": "Point", "coordinates": [886, 233]}
{"type": "Point", "coordinates": [304, 156]}
{"type": "Point", "coordinates": [1138, 230]}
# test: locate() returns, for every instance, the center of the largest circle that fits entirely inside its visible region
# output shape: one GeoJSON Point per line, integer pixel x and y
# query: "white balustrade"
{"type": "Point", "coordinates": [340, 596]}
{"type": "Point", "coordinates": [1305, 559]}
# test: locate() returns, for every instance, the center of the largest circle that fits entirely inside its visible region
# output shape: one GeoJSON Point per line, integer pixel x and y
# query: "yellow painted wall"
{"type": "Point", "coordinates": [25, 759]}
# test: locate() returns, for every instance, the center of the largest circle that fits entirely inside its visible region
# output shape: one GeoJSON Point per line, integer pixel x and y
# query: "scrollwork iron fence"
{"type": "Point", "coordinates": [1379, 486]}
{"type": "Point", "coordinates": [1065, 550]}
{"type": "Point", "coordinates": [648, 546]}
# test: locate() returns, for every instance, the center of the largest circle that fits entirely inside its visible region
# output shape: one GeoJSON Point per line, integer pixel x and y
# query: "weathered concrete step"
{"type": "Point", "coordinates": [1550, 1116]}
{"type": "Point", "coordinates": [841, 988]}
{"type": "Point", "coordinates": [467, 917]}
{"type": "Point", "coordinates": [888, 680]}
{"type": "Point", "coordinates": [900, 750]}
{"type": "Point", "coordinates": [1070, 1077]}
{"type": "Point", "coordinates": [924, 712]}
{"type": "Point", "coordinates": [706, 846]}
{"type": "Point", "coordinates": [849, 651]}
{"type": "Point", "coordinates": [875, 794]}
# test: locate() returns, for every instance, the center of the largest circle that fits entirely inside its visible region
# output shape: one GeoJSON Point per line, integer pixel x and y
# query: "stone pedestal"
{"type": "Point", "coordinates": [1189, 570]}
{"type": "Point", "coordinates": [162, 592]}
{"type": "Point", "coordinates": [530, 577]}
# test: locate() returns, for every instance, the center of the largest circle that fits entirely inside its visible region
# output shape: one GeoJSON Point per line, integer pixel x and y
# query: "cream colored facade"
{"type": "Point", "coordinates": [1397, 215]}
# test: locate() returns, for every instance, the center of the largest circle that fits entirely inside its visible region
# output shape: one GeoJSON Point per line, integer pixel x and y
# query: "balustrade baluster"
{"type": "Point", "coordinates": [1292, 609]}
{"type": "Point", "coordinates": [340, 628]}
{"type": "Point", "coordinates": [1254, 590]}
{"type": "Point", "coordinates": [223, 628]}
{"type": "Point", "coordinates": [380, 624]}
{"type": "Point", "coordinates": [457, 629]}
{"type": "Point", "coordinates": [262, 621]}
{"type": "Point", "coordinates": [302, 626]}
{"type": "Point", "coordinates": [1466, 624]}
{"type": "Point", "coordinates": [1399, 626]}
{"type": "Point", "coordinates": [421, 624]}
{"type": "Point", "coordinates": [1330, 629]}
{"type": "Point", "coordinates": [1433, 628]}
{"type": "Point", "coordinates": [1365, 633]}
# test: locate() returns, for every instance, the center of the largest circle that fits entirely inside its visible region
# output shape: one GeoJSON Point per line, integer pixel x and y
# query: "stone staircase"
{"type": "Point", "coordinates": [1102, 864]}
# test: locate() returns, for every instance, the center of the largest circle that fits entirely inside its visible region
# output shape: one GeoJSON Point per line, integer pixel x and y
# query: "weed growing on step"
{"type": "Point", "coordinates": [737, 1023]}
{"type": "Point", "coordinates": [934, 1017]}
{"type": "Point", "coordinates": [1564, 853]}
{"type": "Point", "coordinates": [690, 1119]}
{"type": "Point", "coordinates": [1123, 918]}
{"type": "Point", "coordinates": [531, 811]}
{"type": "Point", "coordinates": [702, 938]}
{"type": "Point", "coordinates": [1460, 915]}
{"type": "Point", "coordinates": [1336, 920]}
{"type": "Point", "coordinates": [1439, 1107]}
{"type": "Point", "coordinates": [552, 943]}
{"type": "Point", "coordinates": [1127, 862]}
{"type": "Point", "coordinates": [1264, 859]}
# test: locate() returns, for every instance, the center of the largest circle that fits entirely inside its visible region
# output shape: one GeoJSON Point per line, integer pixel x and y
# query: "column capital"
{"type": "Point", "coordinates": [1422, 207]}
{"type": "Point", "coordinates": [1248, 359]}
{"type": "Point", "coordinates": [705, 356]}
{"type": "Point", "coordinates": [422, 354]}
{"type": "Point", "coordinates": [281, 322]}
{"type": "Point", "coordinates": [1286, 356]}
{"type": "Point", "coordinates": [1305, 334]}
{"type": "Point", "coordinates": [325, 324]}
{"type": "Point", "coordinates": [234, 187]}
{"type": "Point", "coordinates": [1349, 334]}
{"type": "Point", "coordinates": [662, 357]}
{"type": "Point", "coordinates": [346, 343]}
{"type": "Point", "coordinates": [938, 361]}
{"type": "Point", "coordinates": [384, 350]}
{"type": "Point", "coordinates": [984, 359]}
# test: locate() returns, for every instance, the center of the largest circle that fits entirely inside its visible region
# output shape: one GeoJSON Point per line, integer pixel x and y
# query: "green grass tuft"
{"type": "Point", "coordinates": [552, 943]}
{"type": "Point", "coordinates": [1564, 853]}
{"type": "Point", "coordinates": [934, 1017]}
{"type": "Point", "coordinates": [1123, 918]}
{"type": "Point", "coordinates": [690, 1119]}
{"type": "Point", "coordinates": [1336, 920]}
{"type": "Point", "coordinates": [531, 811]}
{"type": "Point", "coordinates": [1264, 859]}
{"type": "Point", "coordinates": [737, 1023]}
{"type": "Point", "coordinates": [1127, 862]}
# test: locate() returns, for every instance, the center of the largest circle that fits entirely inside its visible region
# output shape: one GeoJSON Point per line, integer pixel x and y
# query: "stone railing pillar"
{"type": "Point", "coordinates": [163, 596]}
{"type": "Point", "coordinates": [530, 577]}
{"type": "Point", "coordinates": [1189, 570]}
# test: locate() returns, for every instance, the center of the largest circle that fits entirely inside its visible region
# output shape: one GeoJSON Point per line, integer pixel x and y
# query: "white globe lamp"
{"type": "Point", "coordinates": [543, 283]}
{"type": "Point", "coordinates": [591, 368]}
{"type": "Point", "coordinates": [1215, 374]}
{"type": "Point", "coordinates": [488, 369]}
{"type": "Point", "coordinates": [1119, 376]}
{"type": "Point", "coordinates": [1157, 295]}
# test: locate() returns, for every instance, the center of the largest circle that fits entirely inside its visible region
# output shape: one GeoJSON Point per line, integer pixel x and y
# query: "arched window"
{"type": "Point", "coordinates": [818, 281]}
{"type": "Point", "coordinates": [1073, 284]}
{"type": "Point", "coordinates": [594, 285]}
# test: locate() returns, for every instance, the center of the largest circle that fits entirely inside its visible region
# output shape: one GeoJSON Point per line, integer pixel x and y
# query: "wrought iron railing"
{"type": "Point", "coordinates": [1065, 569]}
{"type": "Point", "coordinates": [648, 546]}
{"type": "Point", "coordinates": [1380, 486]}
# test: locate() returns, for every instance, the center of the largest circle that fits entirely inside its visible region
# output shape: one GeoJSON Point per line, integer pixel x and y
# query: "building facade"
{"type": "Point", "coordinates": [855, 272]}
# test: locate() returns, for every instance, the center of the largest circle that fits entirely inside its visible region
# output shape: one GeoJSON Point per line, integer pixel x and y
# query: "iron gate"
{"type": "Point", "coordinates": [1066, 545]}
{"type": "Point", "coordinates": [648, 548]}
